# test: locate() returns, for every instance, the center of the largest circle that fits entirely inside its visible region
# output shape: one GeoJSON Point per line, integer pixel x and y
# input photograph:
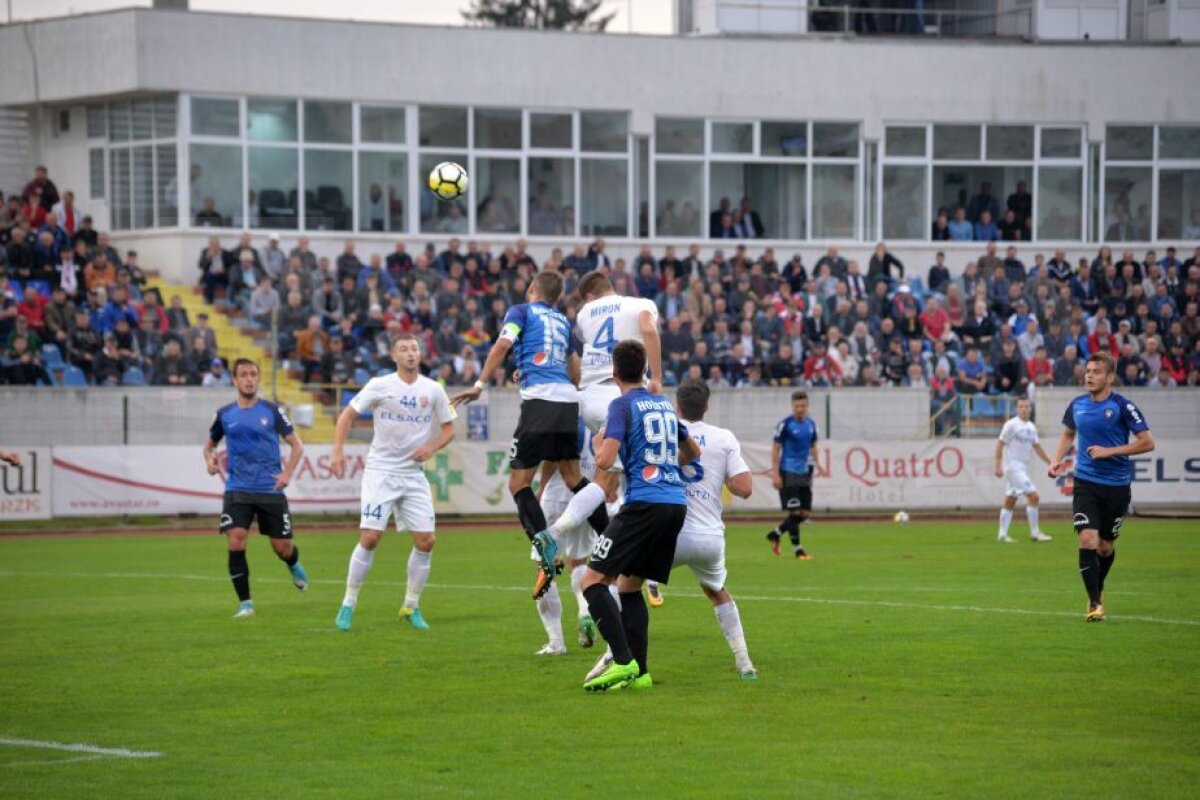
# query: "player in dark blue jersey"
{"type": "Point", "coordinates": [252, 428]}
{"type": "Point", "coordinates": [644, 431]}
{"type": "Point", "coordinates": [1103, 422]}
{"type": "Point", "coordinates": [792, 458]}
{"type": "Point", "coordinates": [540, 338]}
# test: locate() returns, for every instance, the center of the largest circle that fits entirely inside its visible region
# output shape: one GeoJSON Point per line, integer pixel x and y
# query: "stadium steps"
{"type": "Point", "coordinates": [237, 339]}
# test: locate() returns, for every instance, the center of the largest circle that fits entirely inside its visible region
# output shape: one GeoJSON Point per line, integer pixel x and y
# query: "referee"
{"type": "Point", "coordinates": [1103, 421]}
{"type": "Point", "coordinates": [254, 487]}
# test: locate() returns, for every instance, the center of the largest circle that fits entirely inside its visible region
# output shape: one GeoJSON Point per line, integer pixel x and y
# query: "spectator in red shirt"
{"type": "Point", "coordinates": [42, 187]}
{"type": "Point", "coordinates": [1039, 368]}
{"type": "Point", "coordinates": [34, 211]}
{"type": "Point", "coordinates": [33, 309]}
{"type": "Point", "coordinates": [1103, 339]}
{"type": "Point", "coordinates": [935, 322]}
{"type": "Point", "coordinates": [819, 368]}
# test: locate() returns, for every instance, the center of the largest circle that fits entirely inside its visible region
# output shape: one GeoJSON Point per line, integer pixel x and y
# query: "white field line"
{"type": "Point", "coordinates": [74, 760]}
{"type": "Point", "coordinates": [92, 752]}
{"type": "Point", "coordinates": [674, 593]}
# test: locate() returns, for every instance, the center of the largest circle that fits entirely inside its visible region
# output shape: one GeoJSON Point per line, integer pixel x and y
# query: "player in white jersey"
{"type": "Point", "coordinates": [574, 545]}
{"type": "Point", "coordinates": [1014, 449]}
{"type": "Point", "coordinates": [605, 319]}
{"type": "Point", "coordinates": [701, 543]}
{"type": "Point", "coordinates": [413, 420]}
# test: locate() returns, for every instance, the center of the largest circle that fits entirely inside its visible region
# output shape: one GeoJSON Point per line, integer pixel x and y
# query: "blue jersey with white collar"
{"type": "Point", "coordinates": [252, 448]}
{"type": "Point", "coordinates": [796, 438]}
{"type": "Point", "coordinates": [1108, 423]}
{"type": "Point", "coordinates": [650, 434]}
{"type": "Point", "coordinates": [541, 337]}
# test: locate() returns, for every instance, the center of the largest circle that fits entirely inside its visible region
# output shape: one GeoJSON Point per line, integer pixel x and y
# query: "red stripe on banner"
{"type": "Point", "coordinates": [172, 490]}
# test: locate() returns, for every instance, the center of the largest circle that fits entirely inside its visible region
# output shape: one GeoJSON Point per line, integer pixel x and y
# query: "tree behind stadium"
{"type": "Point", "coordinates": [572, 15]}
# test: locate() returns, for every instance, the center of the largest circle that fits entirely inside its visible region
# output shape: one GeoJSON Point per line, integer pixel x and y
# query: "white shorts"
{"type": "Point", "coordinates": [1017, 483]}
{"type": "Point", "coordinates": [705, 554]}
{"type": "Point", "coordinates": [594, 401]}
{"type": "Point", "coordinates": [403, 494]}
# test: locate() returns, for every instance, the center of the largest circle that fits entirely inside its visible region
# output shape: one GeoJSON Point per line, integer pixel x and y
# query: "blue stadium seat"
{"type": "Point", "coordinates": [361, 376]}
{"type": "Point", "coordinates": [73, 376]}
{"type": "Point", "coordinates": [43, 287]}
{"type": "Point", "coordinates": [52, 358]}
{"type": "Point", "coordinates": [383, 372]}
{"type": "Point", "coordinates": [133, 377]}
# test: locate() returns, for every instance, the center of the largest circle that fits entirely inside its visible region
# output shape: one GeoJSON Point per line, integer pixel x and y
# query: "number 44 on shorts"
{"type": "Point", "coordinates": [372, 512]}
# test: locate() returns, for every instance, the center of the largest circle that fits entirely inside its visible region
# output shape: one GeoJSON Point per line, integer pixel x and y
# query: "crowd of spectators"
{"type": "Point", "coordinates": [68, 297]}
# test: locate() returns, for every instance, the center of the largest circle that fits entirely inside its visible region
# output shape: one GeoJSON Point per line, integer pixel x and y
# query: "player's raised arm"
{"type": "Point", "coordinates": [495, 358]}
{"type": "Point", "coordinates": [689, 451]}
{"type": "Point", "coordinates": [648, 327]}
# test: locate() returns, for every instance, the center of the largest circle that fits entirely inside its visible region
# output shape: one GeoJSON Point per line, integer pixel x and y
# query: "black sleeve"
{"type": "Point", "coordinates": [217, 432]}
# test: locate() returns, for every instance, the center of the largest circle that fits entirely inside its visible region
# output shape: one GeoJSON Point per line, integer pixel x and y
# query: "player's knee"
{"type": "Point", "coordinates": [237, 538]}
{"type": "Point", "coordinates": [1105, 547]}
{"type": "Point", "coordinates": [1089, 539]}
{"type": "Point", "coordinates": [591, 577]}
{"type": "Point", "coordinates": [368, 540]}
{"type": "Point", "coordinates": [282, 547]}
{"type": "Point", "coordinates": [719, 597]}
{"type": "Point", "coordinates": [1032, 498]}
{"type": "Point", "coordinates": [518, 480]}
{"type": "Point", "coordinates": [423, 541]}
{"type": "Point", "coordinates": [800, 513]}
{"type": "Point", "coordinates": [570, 472]}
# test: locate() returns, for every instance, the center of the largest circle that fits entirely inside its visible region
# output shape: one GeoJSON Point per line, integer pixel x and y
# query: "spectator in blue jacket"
{"type": "Point", "coordinates": [961, 229]}
{"type": "Point", "coordinates": [986, 229]}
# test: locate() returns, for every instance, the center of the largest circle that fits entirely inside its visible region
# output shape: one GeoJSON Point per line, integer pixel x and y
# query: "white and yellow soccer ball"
{"type": "Point", "coordinates": [448, 180]}
{"type": "Point", "coordinates": [900, 518]}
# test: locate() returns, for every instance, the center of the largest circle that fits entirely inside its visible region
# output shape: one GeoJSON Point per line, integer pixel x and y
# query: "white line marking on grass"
{"type": "Point", "coordinates": [54, 761]}
{"type": "Point", "coordinates": [748, 597]}
{"type": "Point", "coordinates": [94, 752]}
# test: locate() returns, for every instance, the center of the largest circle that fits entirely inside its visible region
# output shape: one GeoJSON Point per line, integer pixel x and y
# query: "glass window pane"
{"type": "Point", "coordinates": [270, 120]}
{"type": "Point", "coordinates": [1060, 202]}
{"type": "Point", "coordinates": [1179, 204]}
{"type": "Point", "coordinates": [783, 138]}
{"type": "Point", "coordinates": [327, 122]}
{"type": "Point", "coordinates": [118, 122]}
{"type": "Point", "coordinates": [143, 187]}
{"type": "Point", "coordinates": [678, 198]}
{"type": "Point", "coordinates": [550, 131]}
{"type": "Point", "coordinates": [1127, 193]}
{"type": "Point", "coordinates": [1010, 142]}
{"type": "Point", "coordinates": [604, 197]}
{"type": "Point", "coordinates": [904, 213]}
{"type": "Point", "coordinates": [835, 206]}
{"type": "Point", "coordinates": [165, 170]}
{"type": "Point", "coordinates": [382, 188]}
{"type": "Point", "coordinates": [442, 126]}
{"type": "Point", "coordinates": [1061, 142]}
{"type": "Point", "coordinates": [673, 135]}
{"type": "Point", "coordinates": [1176, 141]}
{"type": "Point", "coordinates": [437, 215]}
{"type": "Point", "coordinates": [214, 117]}
{"type": "Point", "coordinates": [328, 187]}
{"type": "Point", "coordinates": [732, 137]}
{"type": "Point", "coordinates": [498, 187]}
{"type": "Point", "coordinates": [604, 131]}
{"type": "Point", "coordinates": [498, 128]}
{"type": "Point", "coordinates": [979, 188]}
{"type": "Point", "coordinates": [552, 196]}
{"type": "Point", "coordinates": [1129, 143]}
{"type": "Point", "coordinates": [215, 184]}
{"type": "Point", "coordinates": [142, 120]}
{"type": "Point", "coordinates": [379, 124]}
{"type": "Point", "coordinates": [641, 184]}
{"type": "Point", "coordinates": [118, 203]}
{"type": "Point", "coordinates": [904, 141]}
{"type": "Point", "coordinates": [273, 195]}
{"type": "Point", "coordinates": [165, 109]}
{"type": "Point", "coordinates": [835, 139]}
{"type": "Point", "coordinates": [956, 142]}
{"type": "Point", "coordinates": [96, 173]}
{"type": "Point", "coordinates": [97, 121]}
{"type": "Point", "coordinates": [766, 200]}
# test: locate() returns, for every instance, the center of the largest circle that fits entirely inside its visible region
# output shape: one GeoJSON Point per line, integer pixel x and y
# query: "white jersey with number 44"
{"type": "Point", "coordinates": [604, 322]}
{"type": "Point", "coordinates": [406, 416]}
{"type": "Point", "coordinates": [1019, 438]}
{"type": "Point", "coordinates": [704, 479]}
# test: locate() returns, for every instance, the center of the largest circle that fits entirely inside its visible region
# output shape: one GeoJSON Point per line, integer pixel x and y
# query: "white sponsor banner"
{"type": "Point", "coordinates": [472, 478]}
{"type": "Point", "coordinates": [25, 490]}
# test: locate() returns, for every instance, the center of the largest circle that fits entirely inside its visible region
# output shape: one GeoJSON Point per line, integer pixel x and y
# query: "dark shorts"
{"type": "Point", "coordinates": [639, 541]}
{"type": "Point", "coordinates": [796, 493]}
{"type": "Point", "coordinates": [1099, 507]}
{"type": "Point", "coordinates": [546, 431]}
{"type": "Point", "coordinates": [271, 510]}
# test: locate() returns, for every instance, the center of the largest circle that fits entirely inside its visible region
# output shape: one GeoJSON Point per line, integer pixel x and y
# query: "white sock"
{"type": "Point", "coordinates": [585, 501]}
{"type": "Point", "coordinates": [731, 626]}
{"type": "Point", "coordinates": [1032, 513]}
{"type": "Point", "coordinates": [418, 576]}
{"type": "Point", "coordinates": [1005, 520]}
{"type": "Point", "coordinates": [549, 608]}
{"type": "Point", "coordinates": [360, 565]}
{"type": "Point", "coordinates": [577, 588]}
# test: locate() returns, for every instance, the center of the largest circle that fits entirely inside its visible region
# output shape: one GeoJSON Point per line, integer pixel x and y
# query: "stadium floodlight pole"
{"type": "Point", "coordinates": [274, 350]}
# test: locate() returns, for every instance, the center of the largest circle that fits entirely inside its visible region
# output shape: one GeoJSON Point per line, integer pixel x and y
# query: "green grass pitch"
{"type": "Point", "coordinates": [922, 661]}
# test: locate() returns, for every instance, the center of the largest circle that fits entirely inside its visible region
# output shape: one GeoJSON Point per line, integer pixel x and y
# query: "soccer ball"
{"type": "Point", "coordinates": [900, 518]}
{"type": "Point", "coordinates": [448, 180]}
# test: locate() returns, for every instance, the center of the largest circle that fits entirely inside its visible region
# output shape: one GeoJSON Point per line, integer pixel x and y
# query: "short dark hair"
{"type": "Point", "coordinates": [405, 337]}
{"type": "Point", "coordinates": [244, 362]}
{"type": "Point", "coordinates": [596, 283]}
{"type": "Point", "coordinates": [1105, 358]}
{"type": "Point", "coordinates": [629, 361]}
{"type": "Point", "coordinates": [549, 285]}
{"type": "Point", "coordinates": [799, 394]}
{"type": "Point", "coordinates": [692, 398]}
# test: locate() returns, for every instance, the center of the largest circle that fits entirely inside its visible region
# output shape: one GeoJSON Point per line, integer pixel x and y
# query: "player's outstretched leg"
{"type": "Point", "coordinates": [776, 533]}
{"type": "Point", "coordinates": [1107, 553]}
{"type": "Point", "coordinates": [289, 554]}
{"type": "Point", "coordinates": [730, 621]}
{"type": "Point", "coordinates": [1031, 513]}
{"type": "Point", "coordinates": [1006, 516]}
{"type": "Point", "coordinates": [635, 618]}
{"type": "Point", "coordinates": [419, 565]}
{"type": "Point", "coordinates": [607, 616]}
{"type": "Point", "coordinates": [549, 607]}
{"type": "Point", "coordinates": [1090, 572]}
{"type": "Point", "coordinates": [654, 593]}
{"type": "Point", "coordinates": [356, 575]}
{"type": "Point", "coordinates": [797, 519]}
{"type": "Point", "coordinates": [587, 502]}
{"type": "Point", "coordinates": [239, 573]}
{"type": "Point", "coordinates": [587, 628]}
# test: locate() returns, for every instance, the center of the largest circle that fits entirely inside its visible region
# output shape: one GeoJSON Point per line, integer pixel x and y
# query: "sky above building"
{"type": "Point", "coordinates": [632, 16]}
